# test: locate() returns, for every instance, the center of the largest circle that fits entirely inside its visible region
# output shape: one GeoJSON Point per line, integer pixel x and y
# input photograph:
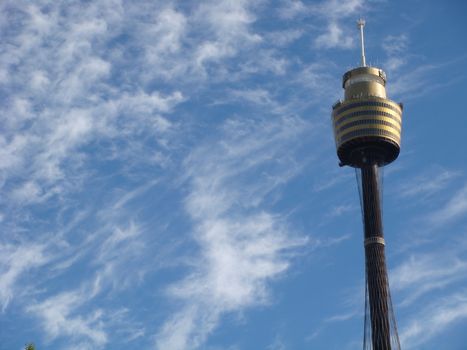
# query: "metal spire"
{"type": "Point", "coordinates": [360, 25]}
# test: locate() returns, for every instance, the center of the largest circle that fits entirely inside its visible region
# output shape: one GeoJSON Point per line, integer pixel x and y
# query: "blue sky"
{"type": "Point", "coordinates": [169, 178]}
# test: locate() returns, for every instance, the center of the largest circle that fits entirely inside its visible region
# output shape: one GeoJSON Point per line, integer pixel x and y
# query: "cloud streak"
{"type": "Point", "coordinates": [59, 318]}
{"type": "Point", "coordinates": [241, 247]}
{"type": "Point", "coordinates": [427, 184]}
{"type": "Point", "coordinates": [453, 209]}
{"type": "Point", "coordinates": [333, 11]}
{"type": "Point", "coordinates": [15, 260]}
{"type": "Point", "coordinates": [423, 273]}
{"type": "Point", "coordinates": [437, 317]}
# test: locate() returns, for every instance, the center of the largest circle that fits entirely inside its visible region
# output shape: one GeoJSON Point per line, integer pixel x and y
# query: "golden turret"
{"type": "Point", "coordinates": [366, 123]}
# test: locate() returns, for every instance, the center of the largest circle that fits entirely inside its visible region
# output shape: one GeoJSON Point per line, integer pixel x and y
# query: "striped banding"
{"type": "Point", "coordinates": [370, 126]}
{"type": "Point", "coordinates": [370, 133]}
{"type": "Point", "coordinates": [374, 102]}
{"type": "Point", "coordinates": [369, 118]}
{"type": "Point", "coordinates": [359, 112]}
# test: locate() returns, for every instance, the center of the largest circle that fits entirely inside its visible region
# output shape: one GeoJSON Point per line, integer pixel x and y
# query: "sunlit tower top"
{"type": "Point", "coordinates": [366, 123]}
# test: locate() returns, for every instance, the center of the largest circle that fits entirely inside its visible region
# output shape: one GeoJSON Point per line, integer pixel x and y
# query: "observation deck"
{"type": "Point", "coordinates": [366, 123]}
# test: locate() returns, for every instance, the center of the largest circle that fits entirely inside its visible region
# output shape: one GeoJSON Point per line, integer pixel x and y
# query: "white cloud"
{"type": "Point", "coordinates": [28, 192]}
{"type": "Point", "coordinates": [395, 48]}
{"type": "Point", "coordinates": [333, 37]}
{"type": "Point", "coordinates": [265, 61]}
{"type": "Point", "coordinates": [164, 41]}
{"type": "Point", "coordinates": [168, 30]}
{"type": "Point", "coordinates": [118, 259]}
{"type": "Point", "coordinates": [291, 8]}
{"type": "Point", "coordinates": [329, 242]}
{"type": "Point", "coordinates": [113, 253]}
{"type": "Point", "coordinates": [15, 261]}
{"type": "Point", "coordinates": [71, 100]}
{"type": "Point", "coordinates": [437, 316]}
{"type": "Point", "coordinates": [255, 96]}
{"type": "Point", "coordinates": [328, 182]}
{"type": "Point", "coordinates": [335, 9]}
{"type": "Point", "coordinates": [423, 273]}
{"type": "Point", "coordinates": [317, 78]}
{"type": "Point", "coordinates": [229, 22]}
{"type": "Point", "coordinates": [417, 82]}
{"type": "Point", "coordinates": [395, 44]}
{"type": "Point", "coordinates": [333, 12]}
{"type": "Point", "coordinates": [339, 210]}
{"type": "Point", "coordinates": [277, 344]}
{"type": "Point", "coordinates": [58, 317]}
{"type": "Point", "coordinates": [427, 285]}
{"type": "Point", "coordinates": [284, 37]}
{"type": "Point", "coordinates": [453, 209]}
{"type": "Point", "coordinates": [343, 317]}
{"type": "Point", "coordinates": [340, 8]}
{"type": "Point", "coordinates": [241, 249]}
{"type": "Point", "coordinates": [427, 184]}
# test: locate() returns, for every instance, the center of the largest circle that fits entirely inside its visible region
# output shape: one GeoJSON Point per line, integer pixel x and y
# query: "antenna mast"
{"type": "Point", "coordinates": [360, 25]}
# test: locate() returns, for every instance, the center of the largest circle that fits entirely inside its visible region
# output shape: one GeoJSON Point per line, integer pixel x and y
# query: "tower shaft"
{"type": "Point", "coordinates": [376, 273]}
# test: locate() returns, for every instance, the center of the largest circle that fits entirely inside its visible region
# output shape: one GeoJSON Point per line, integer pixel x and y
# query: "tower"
{"type": "Point", "coordinates": [367, 130]}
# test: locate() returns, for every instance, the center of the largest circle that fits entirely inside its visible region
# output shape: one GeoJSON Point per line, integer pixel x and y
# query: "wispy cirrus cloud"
{"type": "Point", "coordinates": [110, 256]}
{"type": "Point", "coordinates": [166, 30]}
{"type": "Point", "coordinates": [333, 33]}
{"type": "Point", "coordinates": [428, 287]}
{"type": "Point", "coordinates": [415, 82]}
{"type": "Point", "coordinates": [284, 37]}
{"type": "Point", "coordinates": [396, 48]}
{"type": "Point", "coordinates": [16, 260]}
{"type": "Point", "coordinates": [228, 24]}
{"type": "Point", "coordinates": [437, 316]}
{"type": "Point", "coordinates": [422, 273]}
{"type": "Point", "coordinates": [59, 318]}
{"type": "Point", "coordinates": [333, 11]}
{"type": "Point", "coordinates": [72, 100]}
{"type": "Point", "coordinates": [395, 44]}
{"type": "Point", "coordinates": [241, 248]}
{"type": "Point", "coordinates": [428, 183]}
{"type": "Point", "coordinates": [333, 37]}
{"type": "Point", "coordinates": [455, 207]}
{"type": "Point", "coordinates": [290, 9]}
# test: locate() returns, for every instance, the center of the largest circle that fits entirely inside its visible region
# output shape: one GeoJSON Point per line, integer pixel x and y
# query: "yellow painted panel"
{"type": "Point", "coordinates": [377, 100]}
{"type": "Point", "coordinates": [338, 117]}
{"type": "Point", "coordinates": [387, 119]}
